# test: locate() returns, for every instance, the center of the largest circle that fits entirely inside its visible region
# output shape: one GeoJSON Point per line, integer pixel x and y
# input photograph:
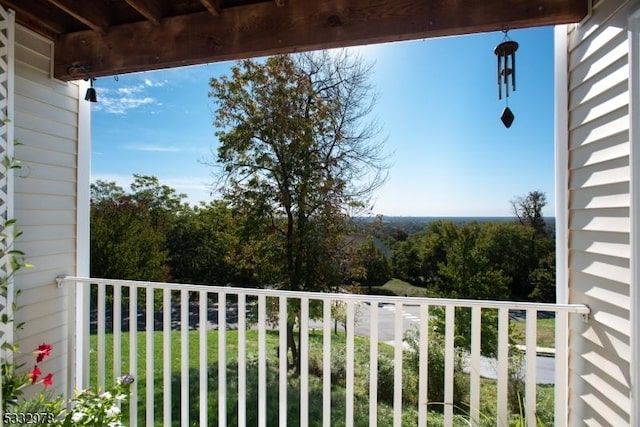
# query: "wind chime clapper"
{"type": "Point", "coordinates": [506, 53]}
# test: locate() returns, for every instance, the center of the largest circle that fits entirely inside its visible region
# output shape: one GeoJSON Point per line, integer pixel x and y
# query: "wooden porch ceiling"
{"type": "Point", "coordinates": [121, 36]}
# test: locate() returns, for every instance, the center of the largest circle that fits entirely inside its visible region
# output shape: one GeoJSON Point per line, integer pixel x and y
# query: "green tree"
{"type": "Point", "coordinates": [468, 273]}
{"type": "Point", "coordinates": [374, 263]}
{"type": "Point", "coordinates": [296, 149]}
{"type": "Point", "coordinates": [406, 262]}
{"type": "Point", "coordinates": [200, 244]}
{"type": "Point", "coordinates": [541, 275]}
{"type": "Point", "coordinates": [510, 249]}
{"type": "Point", "coordinates": [528, 210]}
{"type": "Point", "coordinates": [124, 243]}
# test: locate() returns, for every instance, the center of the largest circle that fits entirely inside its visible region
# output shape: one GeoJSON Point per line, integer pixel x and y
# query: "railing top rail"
{"type": "Point", "coordinates": [513, 305]}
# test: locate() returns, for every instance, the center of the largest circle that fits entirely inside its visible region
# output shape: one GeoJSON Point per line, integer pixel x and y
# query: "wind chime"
{"type": "Point", "coordinates": [506, 53]}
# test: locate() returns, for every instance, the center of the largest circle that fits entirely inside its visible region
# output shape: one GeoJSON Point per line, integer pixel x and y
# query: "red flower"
{"type": "Point", "coordinates": [43, 351]}
{"type": "Point", "coordinates": [47, 380]}
{"type": "Point", "coordinates": [34, 374]}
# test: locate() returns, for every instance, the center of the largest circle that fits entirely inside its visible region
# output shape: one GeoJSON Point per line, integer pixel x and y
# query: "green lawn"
{"type": "Point", "coordinates": [361, 398]}
{"type": "Point", "coordinates": [545, 334]}
{"type": "Point", "coordinates": [401, 288]}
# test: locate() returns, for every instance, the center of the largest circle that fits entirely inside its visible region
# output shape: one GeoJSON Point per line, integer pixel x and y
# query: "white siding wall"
{"type": "Point", "coordinates": [46, 126]}
{"type": "Point", "coordinates": [599, 215]}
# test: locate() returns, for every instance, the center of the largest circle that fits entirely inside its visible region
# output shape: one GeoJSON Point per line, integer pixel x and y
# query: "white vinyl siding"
{"type": "Point", "coordinates": [46, 126]}
{"type": "Point", "coordinates": [599, 215]}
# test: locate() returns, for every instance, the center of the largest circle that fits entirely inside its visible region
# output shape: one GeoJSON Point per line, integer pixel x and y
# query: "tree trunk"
{"type": "Point", "coordinates": [291, 343]}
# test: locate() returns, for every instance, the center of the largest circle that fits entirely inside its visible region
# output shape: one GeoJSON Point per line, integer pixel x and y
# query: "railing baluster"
{"type": "Point", "coordinates": [350, 362]}
{"type": "Point", "coordinates": [184, 357]}
{"type": "Point", "coordinates": [262, 361]}
{"type": "Point", "coordinates": [166, 357]}
{"type": "Point", "coordinates": [531, 360]}
{"type": "Point", "coordinates": [326, 363]}
{"type": "Point", "coordinates": [101, 308]}
{"type": "Point", "coordinates": [373, 364]}
{"type": "Point", "coordinates": [282, 379]}
{"type": "Point", "coordinates": [117, 331]}
{"type": "Point", "coordinates": [449, 356]}
{"type": "Point", "coordinates": [149, 404]}
{"type": "Point", "coordinates": [503, 364]}
{"type": "Point", "coordinates": [222, 359]}
{"type": "Point", "coordinates": [204, 365]}
{"type": "Point", "coordinates": [423, 370]}
{"type": "Point", "coordinates": [242, 360]}
{"type": "Point", "coordinates": [474, 392]}
{"type": "Point", "coordinates": [304, 362]}
{"type": "Point", "coordinates": [133, 354]}
{"type": "Point", "coordinates": [397, 362]}
{"type": "Point", "coordinates": [562, 369]}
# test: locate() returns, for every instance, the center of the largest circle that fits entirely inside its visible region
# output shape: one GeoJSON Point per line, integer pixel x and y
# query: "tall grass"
{"type": "Point", "coordinates": [338, 394]}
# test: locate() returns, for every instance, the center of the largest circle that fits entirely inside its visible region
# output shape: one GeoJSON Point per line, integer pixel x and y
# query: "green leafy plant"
{"type": "Point", "coordinates": [13, 383]}
{"type": "Point", "coordinates": [99, 408]}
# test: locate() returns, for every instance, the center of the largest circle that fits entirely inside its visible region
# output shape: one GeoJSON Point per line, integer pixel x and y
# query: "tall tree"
{"type": "Point", "coordinates": [124, 243]}
{"type": "Point", "coordinates": [528, 210]}
{"type": "Point", "coordinates": [297, 147]}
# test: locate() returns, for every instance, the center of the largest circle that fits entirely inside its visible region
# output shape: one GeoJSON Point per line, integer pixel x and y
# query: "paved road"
{"type": "Point", "coordinates": [545, 366]}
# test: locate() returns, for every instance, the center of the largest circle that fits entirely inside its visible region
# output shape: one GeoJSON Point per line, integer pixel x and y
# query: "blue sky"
{"type": "Point", "coordinates": [438, 106]}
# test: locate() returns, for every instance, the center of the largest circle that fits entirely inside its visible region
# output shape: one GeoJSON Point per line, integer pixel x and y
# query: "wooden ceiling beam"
{"type": "Point", "coordinates": [37, 13]}
{"type": "Point", "coordinates": [152, 10]}
{"type": "Point", "coordinates": [262, 29]}
{"type": "Point", "coordinates": [94, 14]}
{"type": "Point", "coordinates": [213, 6]}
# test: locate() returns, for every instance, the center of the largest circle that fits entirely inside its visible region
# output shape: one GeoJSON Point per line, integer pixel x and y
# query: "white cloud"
{"type": "Point", "coordinates": [152, 148]}
{"type": "Point", "coordinates": [130, 90]}
{"type": "Point", "coordinates": [124, 98]}
{"type": "Point", "coordinates": [151, 83]}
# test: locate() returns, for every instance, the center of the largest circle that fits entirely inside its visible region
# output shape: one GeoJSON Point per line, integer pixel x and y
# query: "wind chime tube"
{"type": "Point", "coordinates": [499, 80]}
{"type": "Point", "coordinates": [506, 74]}
{"type": "Point", "coordinates": [513, 70]}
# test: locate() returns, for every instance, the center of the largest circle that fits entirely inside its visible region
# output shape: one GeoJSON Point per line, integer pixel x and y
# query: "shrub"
{"type": "Point", "coordinates": [436, 382]}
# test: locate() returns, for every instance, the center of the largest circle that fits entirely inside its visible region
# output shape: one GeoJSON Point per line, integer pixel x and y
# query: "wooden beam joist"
{"type": "Point", "coordinates": [213, 6]}
{"type": "Point", "coordinates": [36, 12]}
{"type": "Point", "coordinates": [262, 29]}
{"type": "Point", "coordinates": [152, 10]}
{"type": "Point", "coordinates": [94, 14]}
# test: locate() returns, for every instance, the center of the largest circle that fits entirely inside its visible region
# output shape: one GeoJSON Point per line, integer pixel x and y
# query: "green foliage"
{"type": "Point", "coordinates": [129, 231]}
{"type": "Point", "coordinates": [480, 261]}
{"type": "Point", "coordinates": [401, 288]}
{"type": "Point", "coordinates": [296, 152]}
{"type": "Point", "coordinates": [528, 210]}
{"type": "Point", "coordinates": [436, 384]}
{"type": "Point", "coordinates": [124, 242]}
{"type": "Point", "coordinates": [101, 408]}
{"type": "Point", "coordinates": [296, 156]}
{"type": "Point", "coordinates": [45, 407]}
{"type": "Point", "coordinates": [373, 262]}
{"type": "Point", "coordinates": [201, 245]}
{"type": "Point", "coordinates": [12, 383]}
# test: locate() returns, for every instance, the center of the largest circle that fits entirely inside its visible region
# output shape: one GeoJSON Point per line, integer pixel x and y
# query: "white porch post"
{"type": "Point", "coordinates": [79, 321]}
{"type": "Point", "coordinates": [562, 225]}
{"type": "Point", "coordinates": [634, 211]}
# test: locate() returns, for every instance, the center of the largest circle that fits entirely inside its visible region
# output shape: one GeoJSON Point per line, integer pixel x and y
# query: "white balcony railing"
{"type": "Point", "coordinates": [219, 355]}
